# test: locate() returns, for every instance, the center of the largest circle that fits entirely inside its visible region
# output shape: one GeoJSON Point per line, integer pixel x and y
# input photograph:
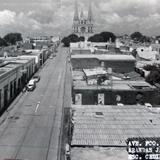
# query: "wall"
{"type": "Point", "coordinates": [81, 51]}
{"type": "Point", "coordinates": [120, 66]}
{"type": "Point", "coordinates": [117, 66]}
{"type": "Point", "coordinates": [84, 63]}
{"type": "Point", "coordinates": [8, 79]}
{"type": "Point", "coordinates": [12, 82]}
{"type": "Point", "coordinates": [89, 97]}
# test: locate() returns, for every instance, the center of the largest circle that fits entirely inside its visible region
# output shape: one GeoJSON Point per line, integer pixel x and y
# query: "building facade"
{"type": "Point", "coordinates": [83, 26]}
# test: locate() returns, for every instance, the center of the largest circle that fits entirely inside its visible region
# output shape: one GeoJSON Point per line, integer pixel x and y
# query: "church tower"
{"type": "Point", "coordinates": [83, 26]}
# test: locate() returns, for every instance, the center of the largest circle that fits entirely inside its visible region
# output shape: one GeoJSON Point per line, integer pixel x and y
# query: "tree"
{"type": "Point", "coordinates": [12, 38]}
{"type": "Point", "coordinates": [82, 39]}
{"type": "Point", "coordinates": [3, 42]}
{"type": "Point", "coordinates": [153, 77]}
{"type": "Point", "coordinates": [71, 38]}
{"type": "Point", "coordinates": [103, 37]}
{"type": "Point", "coordinates": [96, 38]}
{"type": "Point", "coordinates": [107, 36]}
{"type": "Point", "coordinates": [66, 41]}
{"type": "Point", "coordinates": [136, 36]}
{"type": "Point", "coordinates": [150, 68]}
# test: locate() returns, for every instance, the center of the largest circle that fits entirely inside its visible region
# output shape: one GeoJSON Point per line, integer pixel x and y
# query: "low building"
{"type": "Point", "coordinates": [101, 131]}
{"type": "Point", "coordinates": [118, 62]}
{"type": "Point", "coordinates": [115, 88]}
{"type": "Point", "coordinates": [156, 47]}
{"type": "Point", "coordinates": [14, 74]}
{"type": "Point", "coordinates": [9, 83]}
{"type": "Point", "coordinates": [40, 56]}
{"type": "Point", "coordinates": [146, 53]}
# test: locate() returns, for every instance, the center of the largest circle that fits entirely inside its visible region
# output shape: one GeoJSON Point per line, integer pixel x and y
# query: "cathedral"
{"type": "Point", "coordinates": [83, 26]}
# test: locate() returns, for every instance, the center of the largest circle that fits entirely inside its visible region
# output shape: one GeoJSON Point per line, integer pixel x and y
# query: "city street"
{"type": "Point", "coordinates": [32, 129]}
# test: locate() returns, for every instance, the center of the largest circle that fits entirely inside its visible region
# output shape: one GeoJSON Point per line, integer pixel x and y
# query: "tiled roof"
{"type": "Point", "coordinates": [114, 126]}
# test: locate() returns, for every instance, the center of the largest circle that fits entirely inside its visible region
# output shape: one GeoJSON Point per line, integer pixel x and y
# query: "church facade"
{"type": "Point", "coordinates": [83, 26]}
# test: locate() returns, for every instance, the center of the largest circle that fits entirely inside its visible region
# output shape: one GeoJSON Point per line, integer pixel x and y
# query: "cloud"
{"type": "Point", "coordinates": [55, 16]}
{"type": "Point", "coordinates": [7, 17]}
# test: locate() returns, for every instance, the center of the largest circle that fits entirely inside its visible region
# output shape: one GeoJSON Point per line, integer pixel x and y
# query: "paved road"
{"type": "Point", "coordinates": [32, 129]}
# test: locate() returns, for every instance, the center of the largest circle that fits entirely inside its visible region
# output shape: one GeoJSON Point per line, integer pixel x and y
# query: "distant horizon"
{"type": "Point", "coordinates": [50, 17]}
{"type": "Point", "coordinates": [49, 35]}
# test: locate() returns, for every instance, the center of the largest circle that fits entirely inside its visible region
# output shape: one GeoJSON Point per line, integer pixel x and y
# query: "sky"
{"type": "Point", "coordinates": [54, 17]}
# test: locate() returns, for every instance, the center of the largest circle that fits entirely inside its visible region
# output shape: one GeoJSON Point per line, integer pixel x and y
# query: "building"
{"type": "Point", "coordinates": [83, 26]}
{"type": "Point", "coordinates": [118, 62]}
{"type": "Point", "coordinates": [99, 86]}
{"type": "Point", "coordinates": [146, 53]}
{"type": "Point", "coordinates": [100, 132]}
{"type": "Point", "coordinates": [14, 74]}
{"type": "Point", "coordinates": [40, 56]}
{"type": "Point", "coordinates": [156, 47]}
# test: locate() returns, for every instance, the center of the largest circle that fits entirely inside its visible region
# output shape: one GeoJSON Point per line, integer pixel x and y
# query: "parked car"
{"type": "Point", "coordinates": [31, 85]}
{"type": "Point", "coordinates": [36, 77]}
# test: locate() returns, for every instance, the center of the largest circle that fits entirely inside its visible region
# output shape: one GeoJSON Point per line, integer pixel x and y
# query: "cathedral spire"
{"type": "Point", "coordinates": [90, 15]}
{"type": "Point", "coordinates": [76, 16]}
{"type": "Point", "coordinates": [82, 15]}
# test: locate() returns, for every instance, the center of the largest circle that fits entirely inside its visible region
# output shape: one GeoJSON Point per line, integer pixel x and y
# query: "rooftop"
{"type": "Point", "coordinates": [7, 68]}
{"type": "Point", "coordinates": [78, 75]}
{"type": "Point", "coordinates": [114, 85]}
{"type": "Point", "coordinates": [148, 55]}
{"type": "Point", "coordinates": [98, 125]}
{"type": "Point", "coordinates": [95, 71]}
{"type": "Point", "coordinates": [79, 153]}
{"type": "Point", "coordinates": [11, 65]}
{"type": "Point", "coordinates": [108, 57]}
{"type": "Point", "coordinates": [33, 51]}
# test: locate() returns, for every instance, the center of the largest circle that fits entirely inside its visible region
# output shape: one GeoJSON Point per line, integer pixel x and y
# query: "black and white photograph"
{"type": "Point", "coordinates": [79, 79]}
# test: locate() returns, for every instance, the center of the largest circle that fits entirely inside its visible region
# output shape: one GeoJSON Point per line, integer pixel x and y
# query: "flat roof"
{"type": "Point", "coordinates": [148, 54]}
{"type": "Point", "coordinates": [18, 59]}
{"type": "Point", "coordinates": [111, 125]}
{"type": "Point", "coordinates": [11, 65]}
{"type": "Point", "coordinates": [33, 51]}
{"type": "Point", "coordinates": [78, 75]}
{"type": "Point", "coordinates": [108, 57]}
{"type": "Point", "coordinates": [114, 85]}
{"type": "Point", "coordinates": [23, 61]}
{"type": "Point", "coordinates": [132, 76]}
{"type": "Point", "coordinates": [82, 85]}
{"type": "Point", "coordinates": [7, 68]}
{"type": "Point", "coordinates": [95, 71]}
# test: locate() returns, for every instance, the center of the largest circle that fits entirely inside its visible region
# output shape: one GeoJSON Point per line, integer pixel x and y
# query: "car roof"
{"type": "Point", "coordinates": [31, 81]}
